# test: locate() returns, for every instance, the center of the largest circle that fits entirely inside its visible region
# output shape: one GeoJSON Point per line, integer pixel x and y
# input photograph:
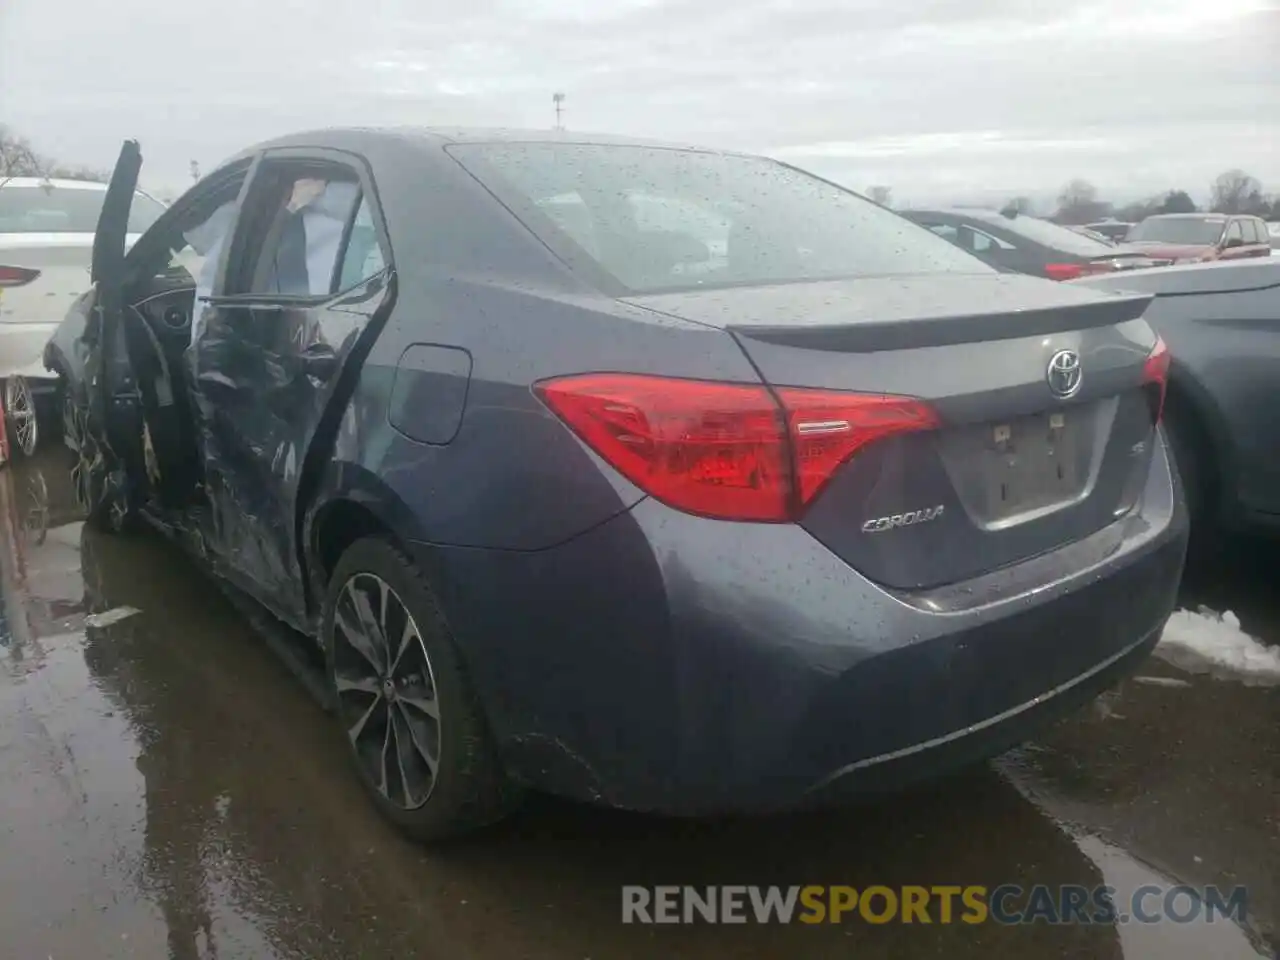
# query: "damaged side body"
{"type": "Point", "coordinates": [207, 373]}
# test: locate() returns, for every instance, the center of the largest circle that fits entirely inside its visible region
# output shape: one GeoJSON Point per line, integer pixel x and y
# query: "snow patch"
{"type": "Point", "coordinates": [1204, 641]}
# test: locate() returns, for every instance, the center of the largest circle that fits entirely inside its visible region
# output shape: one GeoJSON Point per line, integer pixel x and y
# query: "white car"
{"type": "Point", "coordinates": [46, 244]}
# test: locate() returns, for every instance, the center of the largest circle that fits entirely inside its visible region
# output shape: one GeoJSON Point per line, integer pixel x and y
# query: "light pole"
{"type": "Point", "coordinates": [558, 100]}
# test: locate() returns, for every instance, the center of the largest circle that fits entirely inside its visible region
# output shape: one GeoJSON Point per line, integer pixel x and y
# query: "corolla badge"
{"type": "Point", "coordinates": [908, 519]}
{"type": "Point", "coordinates": [1064, 374]}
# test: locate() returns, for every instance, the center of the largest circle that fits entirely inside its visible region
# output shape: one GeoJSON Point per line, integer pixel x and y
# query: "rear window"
{"type": "Point", "coordinates": [1055, 237]}
{"type": "Point", "coordinates": [54, 209]}
{"type": "Point", "coordinates": [657, 219]}
{"type": "Point", "coordinates": [1204, 231]}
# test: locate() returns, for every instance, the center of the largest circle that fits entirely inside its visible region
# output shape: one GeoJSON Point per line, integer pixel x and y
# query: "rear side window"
{"type": "Point", "coordinates": [50, 208]}
{"type": "Point", "coordinates": [656, 219]}
{"type": "Point", "coordinates": [298, 242]}
{"type": "Point", "coordinates": [1055, 237]}
{"type": "Point", "coordinates": [1234, 231]}
{"type": "Point", "coordinates": [971, 238]}
{"type": "Point", "coordinates": [362, 258]}
{"type": "Point", "coordinates": [945, 230]}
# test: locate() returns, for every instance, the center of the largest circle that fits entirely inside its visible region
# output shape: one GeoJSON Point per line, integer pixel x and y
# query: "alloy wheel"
{"type": "Point", "coordinates": [386, 691]}
{"type": "Point", "coordinates": [21, 410]}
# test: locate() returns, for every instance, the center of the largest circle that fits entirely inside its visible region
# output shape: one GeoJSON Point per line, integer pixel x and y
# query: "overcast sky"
{"type": "Point", "coordinates": [937, 98]}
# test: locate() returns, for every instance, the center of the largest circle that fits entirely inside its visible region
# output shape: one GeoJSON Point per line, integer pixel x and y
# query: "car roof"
{"type": "Point", "coordinates": [58, 182]}
{"type": "Point", "coordinates": [1207, 215]}
{"type": "Point", "coordinates": [453, 135]}
{"type": "Point", "coordinates": [972, 213]}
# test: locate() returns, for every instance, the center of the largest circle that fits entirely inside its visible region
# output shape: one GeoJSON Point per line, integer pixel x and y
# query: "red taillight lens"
{"type": "Point", "coordinates": [1063, 271]}
{"type": "Point", "coordinates": [1155, 372]}
{"type": "Point", "coordinates": [829, 427]}
{"type": "Point", "coordinates": [724, 450]}
{"type": "Point", "coordinates": [1069, 271]}
{"type": "Point", "coordinates": [16, 276]}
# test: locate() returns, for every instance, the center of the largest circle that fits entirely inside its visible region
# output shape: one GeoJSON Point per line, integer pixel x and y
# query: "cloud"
{"type": "Point", "coordinates": [933, 96]}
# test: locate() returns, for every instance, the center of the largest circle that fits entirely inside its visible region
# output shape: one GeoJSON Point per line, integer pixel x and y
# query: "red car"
{"type": "Point", "coordinates": [1191, 237]}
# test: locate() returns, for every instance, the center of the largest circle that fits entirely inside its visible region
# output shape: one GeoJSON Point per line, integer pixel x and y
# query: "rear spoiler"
{"type": "Point", "coordinates": [870, 336]}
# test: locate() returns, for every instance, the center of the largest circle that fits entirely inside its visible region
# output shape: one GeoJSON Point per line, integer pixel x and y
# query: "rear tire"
{"type": "Point", "coordinates": [414, 727]}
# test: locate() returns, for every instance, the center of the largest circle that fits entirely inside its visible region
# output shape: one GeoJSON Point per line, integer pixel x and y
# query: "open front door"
{"type": "Point", "coordinates": [106, 273]}
{"type": "Point", "coordinates": [105, 472]}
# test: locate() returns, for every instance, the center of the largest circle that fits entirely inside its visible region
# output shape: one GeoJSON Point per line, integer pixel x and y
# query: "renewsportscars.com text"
{"type": "Point", "coordinates": [1006, 904]}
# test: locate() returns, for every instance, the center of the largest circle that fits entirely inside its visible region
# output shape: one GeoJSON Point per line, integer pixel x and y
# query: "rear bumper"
{"type": "Point", "coordinates": [667, 663]}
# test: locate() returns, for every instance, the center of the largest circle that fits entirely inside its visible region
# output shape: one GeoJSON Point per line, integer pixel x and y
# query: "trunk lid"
{"type": "Point", "coordinates": [1128, 257]}
{"type": "Point", "coordinates": [1016, 469]}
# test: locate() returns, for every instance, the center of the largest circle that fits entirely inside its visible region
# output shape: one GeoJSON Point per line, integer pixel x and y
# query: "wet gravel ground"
{"type": "Point", "coordinates": [168, 789]}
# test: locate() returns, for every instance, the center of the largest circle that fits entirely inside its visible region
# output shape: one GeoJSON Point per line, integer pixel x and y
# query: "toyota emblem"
{"type": "Point", "coordinates": [1064, 374]}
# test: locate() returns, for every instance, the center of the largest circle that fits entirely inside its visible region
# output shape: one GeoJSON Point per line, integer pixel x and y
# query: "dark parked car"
{"type": "Point", "coordinates": [676, 480]}
{"type": "Point", "coordinates": [1195, 237]}
{"type": "Point", "coordinates": [1222, 323]}
{"type": "Point", "coordinates": [1014, 242]}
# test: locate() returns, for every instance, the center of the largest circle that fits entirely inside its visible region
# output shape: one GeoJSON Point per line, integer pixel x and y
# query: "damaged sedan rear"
{"type": "Point", "coordinates": [671, 479]}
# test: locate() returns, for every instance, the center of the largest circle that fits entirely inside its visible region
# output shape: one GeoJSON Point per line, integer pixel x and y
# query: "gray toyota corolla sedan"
{"type": "Point", "coordinates": [667, 478]}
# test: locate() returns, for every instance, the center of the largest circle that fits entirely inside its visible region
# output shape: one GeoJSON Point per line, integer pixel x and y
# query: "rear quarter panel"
{"type": "Point", "coordinates": [1226, 350]}
{"type": "Point", "coordinates": [473, 281]}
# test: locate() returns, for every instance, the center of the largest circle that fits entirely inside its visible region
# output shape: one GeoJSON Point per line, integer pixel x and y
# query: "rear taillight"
{"type": "Point", "coordinates": [724, 450]}
{"type": "Point", "coordinates": [1070, 271]}
{"type": "Point", "coordinates": [1063, 271]}
{"type": "Point", "coordinates": [1155, 375]}
{"type": "Point", "coordinates": [16, 276]}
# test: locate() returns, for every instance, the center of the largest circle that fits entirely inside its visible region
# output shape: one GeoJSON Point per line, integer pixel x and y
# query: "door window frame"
{"type": "Point", "coordinates": [242, 252]}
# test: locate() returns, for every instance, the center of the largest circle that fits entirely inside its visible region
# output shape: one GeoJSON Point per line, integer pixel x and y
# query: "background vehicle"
{"type": "Point", "coordinates": [1190, 237]}
{"type": "Point", "coordinates": [1111, 229]}
{"type": "Point", "coordinates": [1023, 244]}
{"type": "Point", "coordinates": [666, 478]}
{"type": "Point", "coordinates": [1273, 232]}
{"type": "Point", "coordinates": [46, 239]}
{"type": "Point", "coordinates": [1222, 323]}
{"type": "Point", "coordinates": [1091, 234]}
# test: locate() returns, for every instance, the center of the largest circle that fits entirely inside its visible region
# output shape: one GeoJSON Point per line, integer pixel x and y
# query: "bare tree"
{"type": "Point", "coordinates": [1236, 192]}
{"type": "Point", "coordinates": [881, 195]}
{"type": "Point", "coordinates": [17, 157]}
{"type": "Point", "coordinates": [1021, 206]}
{"type": "Point", "coordinates": [1178, 201]}
{"type": "Point", "coordinates": [1078, 203]}
{"type": "Point", "coordinates": [79, 173]}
